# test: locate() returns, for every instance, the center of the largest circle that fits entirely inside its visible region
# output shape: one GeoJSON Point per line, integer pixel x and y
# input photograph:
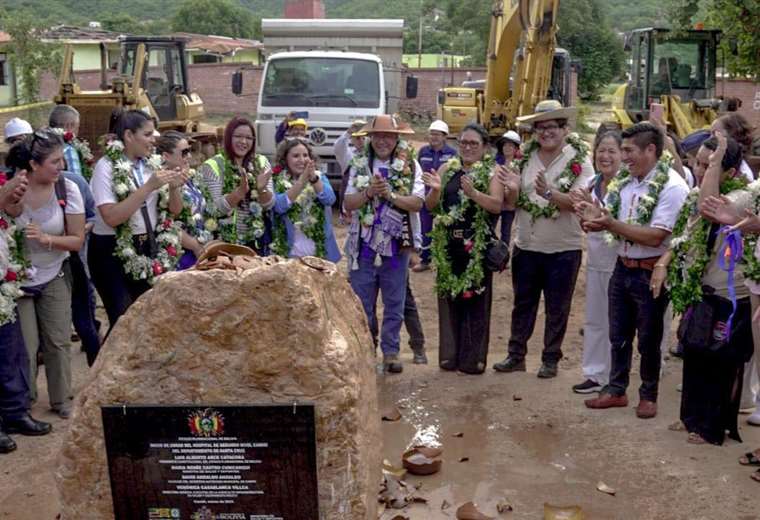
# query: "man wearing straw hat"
{"type": "Point", "coordinates": [384, 191]}
{"type": "Point", "coordinates": [547, 251]}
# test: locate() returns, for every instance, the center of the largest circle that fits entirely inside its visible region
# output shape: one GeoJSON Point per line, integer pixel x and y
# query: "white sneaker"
{"type": "Point", "coordinates": [754, 419]}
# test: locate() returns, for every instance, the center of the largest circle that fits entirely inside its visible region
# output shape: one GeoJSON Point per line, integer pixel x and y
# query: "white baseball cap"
{"type": "Point", "coordinates": [439, 126]}
{"type": "Point", "coordinates": [512, 136]}
{"type": "Point", "coordinates": [16, 127]}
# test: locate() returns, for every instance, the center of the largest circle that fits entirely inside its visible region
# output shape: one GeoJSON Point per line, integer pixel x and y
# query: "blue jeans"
{"type": "Point", "coordinates": [389, 279]}
{"type": "Point", "coordinates": [14, 372]}
{"type": "Point", "coordinates": [83, 308]}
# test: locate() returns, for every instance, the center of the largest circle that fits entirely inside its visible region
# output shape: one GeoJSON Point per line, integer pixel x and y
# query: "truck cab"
{"type": "Point", "coordinates": [334, 88]}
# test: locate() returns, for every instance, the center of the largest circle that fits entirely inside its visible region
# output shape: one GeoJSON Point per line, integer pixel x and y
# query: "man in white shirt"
{"type": "Point", "coordinates": [547, 253]}
{"type": "Point", "coordinates": [642, 226]}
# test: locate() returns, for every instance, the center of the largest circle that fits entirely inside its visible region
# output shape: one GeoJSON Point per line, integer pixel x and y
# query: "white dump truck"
{"type": "Point", "coordinates": [332, 71]}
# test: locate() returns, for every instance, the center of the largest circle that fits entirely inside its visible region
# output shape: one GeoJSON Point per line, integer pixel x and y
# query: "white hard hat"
{"type": "Point", "coordinates": [512, 136]}
{"type": "Point", "coordinates": [439, 126]}
{"type": "Point", "coordinates": [16, 127]}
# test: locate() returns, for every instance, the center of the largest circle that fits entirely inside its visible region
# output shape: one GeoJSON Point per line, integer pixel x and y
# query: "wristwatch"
{"type": "Point", "coordinates": [393, 197]}
{"type": "Point", "coordinates": [548, 194]}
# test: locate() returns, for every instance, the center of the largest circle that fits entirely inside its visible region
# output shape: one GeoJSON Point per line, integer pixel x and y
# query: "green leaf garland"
{"type": "Point", "coordinates": [305, 213]}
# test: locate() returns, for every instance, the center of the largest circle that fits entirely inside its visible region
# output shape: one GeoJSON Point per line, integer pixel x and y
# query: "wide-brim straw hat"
{"type": "Point", "coordinates": [547, 110]}
{"type": "Point", "coordinates": [386, 124]}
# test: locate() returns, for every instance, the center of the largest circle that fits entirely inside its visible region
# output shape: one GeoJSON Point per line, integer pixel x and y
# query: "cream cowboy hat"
{"type": "Point", "coordinates": [387, 124]}
{"type": "Point", "coordinates": [547, 110]}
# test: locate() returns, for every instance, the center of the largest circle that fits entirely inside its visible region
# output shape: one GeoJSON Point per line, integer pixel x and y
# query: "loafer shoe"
{"type": "Point", "coordinates": [646, 409]}
{"type": "Point", "coordinates": [606, 400]}
{"type": "Point", "coordinates": [7, 444]}
{"type": "Point", "coordinates": [510, 364]}
{"type": "Point", "coordinates": [27, 425]}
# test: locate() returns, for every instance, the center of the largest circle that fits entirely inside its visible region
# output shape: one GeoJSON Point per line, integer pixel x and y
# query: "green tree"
{"type": "Point", "coordinates": [218, 17]}
{"type": "Point", "coordinates": [29, 56]}
{"type": "Point", "coordinates": [122, 22]}
{"type": "Point", "coordinates": [738, 21]}
{"type": "Point", "coordinates": [595, 44]}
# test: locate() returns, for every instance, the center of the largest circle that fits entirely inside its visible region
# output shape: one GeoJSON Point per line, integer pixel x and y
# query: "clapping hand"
{"type": "Point", "coordinates": [13, 190]}
{"type": "Point", "coordinates": [432, 180]}
{"type": "Point", "coordinates": [508, 178]}
{"type": "Point", "coordinates": [750, 223]}
{"type": "Point", "coordinates": [181, 179]}
{"type": "Point", "coordinates": [541, 185]}
{"type": "Point", "coordinates": [161, 178]}
{"type": "Point", "coordinates": [602, 221]}
{"type": "Point", "coordinates": [262, 179]}
{"type": "Point", "coordinates": [717, 156]}
{"type": "Point", "coordinates": [468, 187]}
{"type": "Point", "coordinates": [721, 210]}
{"type": "Point", "coordinates": [380, 187]}
{"type": "Point", "coordinates": [33, 232]}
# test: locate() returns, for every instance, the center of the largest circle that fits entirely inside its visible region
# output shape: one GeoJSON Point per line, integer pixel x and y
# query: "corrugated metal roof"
{"type": "Point", "coordinates": [217, 44]}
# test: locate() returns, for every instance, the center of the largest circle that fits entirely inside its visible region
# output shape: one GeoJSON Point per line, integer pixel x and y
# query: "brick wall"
{"type": "Point", "coordinates": [748, 92]}
{"type": "Point", "coordinates": [304, 9]}
{"type": "Point", "coordinates": [212, 81]}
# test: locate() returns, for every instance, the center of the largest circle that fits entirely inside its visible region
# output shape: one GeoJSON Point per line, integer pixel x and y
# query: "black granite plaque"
{"type": "Point", "coordinates": [212, 462]}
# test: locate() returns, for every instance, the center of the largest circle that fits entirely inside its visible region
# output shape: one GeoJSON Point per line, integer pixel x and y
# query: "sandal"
{"type": "Point", "coordinates": [755, 476]}
{"type": "Point", "coordinates": [677, 426]}
{"type": "Point", "coordinates": [750, 458]}
{"type": "Point", "coordinates": [695, 438]}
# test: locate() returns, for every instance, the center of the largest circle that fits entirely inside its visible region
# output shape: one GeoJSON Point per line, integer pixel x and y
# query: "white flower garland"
{"type": "Point", "coordinates": [167, 231]}
{"type": "Point", "coordinates": [13, 268]}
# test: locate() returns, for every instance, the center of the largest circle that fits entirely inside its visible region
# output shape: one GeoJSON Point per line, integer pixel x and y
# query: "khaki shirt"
{"type": "Point", "coordinates": [716, 277]}
{"type": "Point", "coordinates": [550, 235]}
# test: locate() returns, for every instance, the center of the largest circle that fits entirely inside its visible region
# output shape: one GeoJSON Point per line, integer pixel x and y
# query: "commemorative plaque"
{"type": "Point", "coordinates": [212, 463]}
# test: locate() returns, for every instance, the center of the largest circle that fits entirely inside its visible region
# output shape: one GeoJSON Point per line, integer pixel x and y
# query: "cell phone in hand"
{"type": "Point", "coordinates": [657, 113]}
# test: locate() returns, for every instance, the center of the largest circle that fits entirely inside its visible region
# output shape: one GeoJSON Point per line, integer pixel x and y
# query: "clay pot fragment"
{"type": "Point", "coordinates": [604, 488]}
{"type": "Point", "coordinates": [503, 506]}
{"type": "Point", "coordinates": [421, 460]}
{"type": "Point", "coordinates": [468, 511]}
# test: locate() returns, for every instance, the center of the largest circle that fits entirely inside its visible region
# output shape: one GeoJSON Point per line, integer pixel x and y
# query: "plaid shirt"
{"type": "Point", "coordinates": [72, 160]}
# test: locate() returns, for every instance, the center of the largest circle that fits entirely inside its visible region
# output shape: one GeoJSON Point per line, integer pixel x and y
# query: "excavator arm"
{"type": "Point", "coordinates": [523, 35]}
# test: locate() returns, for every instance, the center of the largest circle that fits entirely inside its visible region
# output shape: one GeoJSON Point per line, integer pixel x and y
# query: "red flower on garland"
{"type": "Point", "coordinates": [468, 245]}
{"type": "Point", "coordinates": [3, 179]}
{"type": "Point", "coordinates": [167, 223]}
{"type": "Point", "coordinates": [467, 295]}
{"type": "Point", "coordinates": [62, 203]}
{"type": "Point", "coordinates": [3, 223]}
{"type": "Point", "coordinates": [576, 168]}
{"type": "Point", "coordinates": [68, 136]}
{"type": "Point", "coordinates": [10, 276]}
{"type": "Point", "coordinates": [518, 154]}
{"type": "Point", "coordinates": [157, 268]}
{"type": "Point", "coordinates": [171, 251]}
{"type": "Point", "coordinates": [277, 170]}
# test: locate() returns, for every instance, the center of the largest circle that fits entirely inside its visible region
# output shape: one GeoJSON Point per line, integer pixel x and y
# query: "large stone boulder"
{"type": "Point", "coordinates": [277, 332]}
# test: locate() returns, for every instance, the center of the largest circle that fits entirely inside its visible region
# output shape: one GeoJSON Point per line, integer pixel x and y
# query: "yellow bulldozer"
{"type": "Point", "coordinates": [524, 66]}
{"type": "Point", "coordinates": [151, 76]}
{"type": "Point", "coordinates": [676, 70]}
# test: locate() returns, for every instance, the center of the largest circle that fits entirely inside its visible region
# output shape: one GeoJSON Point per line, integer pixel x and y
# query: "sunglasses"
{"type": "Point", "coordinates": [186, 152]}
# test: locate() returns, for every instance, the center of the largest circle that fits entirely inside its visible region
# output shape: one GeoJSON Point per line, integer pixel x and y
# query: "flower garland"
{"type": "Point", "coordinates": [254, 218]}
{"type": "Point", "coordinates": [167, 231]}
{"type": "Point", "coordinates": [468, 283]}
{"type": "Point", "coordinates": [564, 181]}
{"type": "Point", "coordinates": [82, 148]}
{"type": "Point", "coordinates": [193, 221]}
{"type": "Point", "coordinates": [647, 203]}
{"type": "Point", "coordinates": [13, 270]}
{"type": "Point", "coordinates": [400, 176]}
{"type": "Point", "coordinates": [306, 213]}
{"type": "Point", "coordinates": [689, 246]}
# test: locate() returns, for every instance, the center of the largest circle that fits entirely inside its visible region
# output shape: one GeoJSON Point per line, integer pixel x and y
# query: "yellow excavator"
{"type": "Point", "coordinates": [524, 66]}
{"type": "Point", "coordinates": [676, 70]}
{"type": "Point", "coordinates": [151, 76]}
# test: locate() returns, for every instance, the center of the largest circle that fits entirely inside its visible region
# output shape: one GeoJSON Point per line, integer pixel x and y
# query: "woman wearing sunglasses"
{"type": "Point", "coordinates": [52, 214]}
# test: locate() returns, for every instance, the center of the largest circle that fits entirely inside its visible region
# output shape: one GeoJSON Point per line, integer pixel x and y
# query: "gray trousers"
{"type": "Point", "coordinates": [46, 326]}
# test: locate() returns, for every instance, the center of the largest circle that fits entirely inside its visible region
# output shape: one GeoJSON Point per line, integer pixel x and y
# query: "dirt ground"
{"type": "Point", "coordinates": [527, 440]}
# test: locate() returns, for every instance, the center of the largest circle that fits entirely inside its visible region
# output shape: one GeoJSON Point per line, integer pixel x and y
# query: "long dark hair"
{"type": "Point", "coordinates": [36, 147]}
{"type": "Point", "coordinates": [168, 141]}
{"type": "Point", "coordinates": [131, 120]}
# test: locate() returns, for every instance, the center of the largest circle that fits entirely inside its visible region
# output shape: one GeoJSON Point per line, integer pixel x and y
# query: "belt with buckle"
{"type": "Point", "coordinates": [140, 238]}
{"type": "Point", "coordinates": [639, 263]}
